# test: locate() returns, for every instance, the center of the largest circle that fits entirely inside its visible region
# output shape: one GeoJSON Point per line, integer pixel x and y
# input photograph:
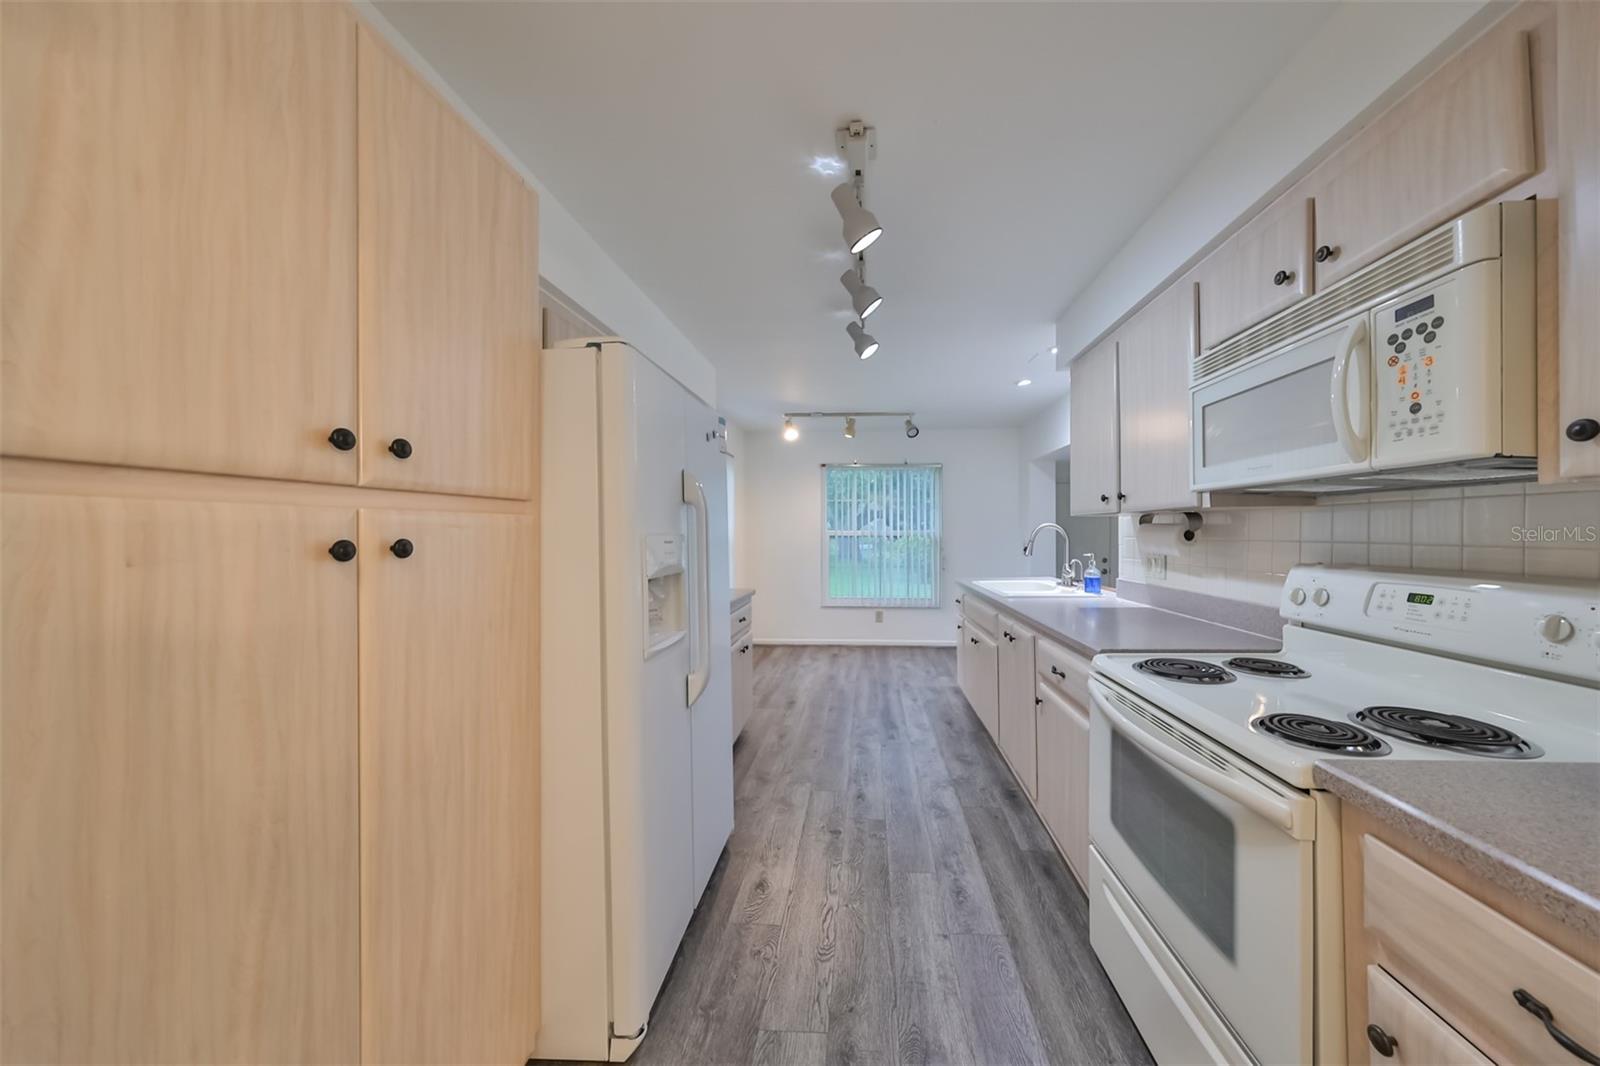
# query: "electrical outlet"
{"type": "Point", "coordinates": [879, 617]}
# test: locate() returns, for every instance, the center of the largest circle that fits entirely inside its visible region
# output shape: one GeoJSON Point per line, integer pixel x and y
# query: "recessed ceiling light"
{"type": "Point", "coordinates": [791, 432]}
{"type": "Point", "coordinates": [1024, 383]}
{"type": "Point", "coordinates": [1054, 349]}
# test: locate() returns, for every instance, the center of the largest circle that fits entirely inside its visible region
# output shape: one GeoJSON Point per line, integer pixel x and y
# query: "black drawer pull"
{"type": "Point", "coordinates": [1283, 277]}
{"type": "Point", "coordinates": [1381, 1042]}
{"type": "Point", "coordinates": [973, 639]}
{"type": "Point", "coordinates": [743, 619]}
{"type": "Point", "coordinates": [342, 438]}
{"type": "Point", "coordinates": [402, 548]}
{"type": "Point", "coordinates": [342, 550]}
{"type": "Point", "coordinates": [1543, 1013]}
{"type": "Point", "coordinates": [1326, 252]}
{"type": "Point", "coordinates": [1583, 429]}
{"type": "Point", "coordinates": [400, 448]}
{"type": "Point", "coordinates": [1058, 673]}
{"type": "Point", "coordinates": [1038, 700]}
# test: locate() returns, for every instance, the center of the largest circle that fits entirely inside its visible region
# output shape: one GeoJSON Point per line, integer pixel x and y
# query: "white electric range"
{"type": "Point", "coordinates": [1214, 883]}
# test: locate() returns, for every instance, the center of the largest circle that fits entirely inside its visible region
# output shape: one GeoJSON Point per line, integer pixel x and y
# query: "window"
{"type": "Point", "coordinates": [880, 536]}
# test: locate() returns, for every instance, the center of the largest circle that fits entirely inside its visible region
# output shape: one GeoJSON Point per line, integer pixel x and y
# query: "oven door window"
{"type": "Point", "coordinates": [1185, 844]}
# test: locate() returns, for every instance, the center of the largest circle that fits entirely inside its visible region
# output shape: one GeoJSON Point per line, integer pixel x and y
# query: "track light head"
{"type": "Point", "coordinates": [863, 297]}
{"type": "Point", "coordinates": [860, 225]}
{"type": "Point", "coordinates": [791, 432]}
{"type": "Point", "coordinates": [911, 428]}
{"type": "Point", "coordinates": [866, 346]}
{"type": "Point", "coordinates": [850, 428]}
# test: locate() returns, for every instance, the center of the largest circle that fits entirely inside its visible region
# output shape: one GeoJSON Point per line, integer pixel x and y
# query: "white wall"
{"type": "Point", "coordinates": [570, 258]}
{"type": "Point", "coordinates": [1272, 142]}
{"type": "Point", "coordinates": [1537, 531]}
{"type": "Point", "coordinates": [782, 527]}
{"type": "Point", "coordinates": [1041, 441]}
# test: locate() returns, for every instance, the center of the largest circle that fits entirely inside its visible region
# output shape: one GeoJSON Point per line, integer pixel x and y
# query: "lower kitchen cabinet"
{"type": "Point", "coordinates": [179, 782]}
{"type": "Point", "coordinates": [1064, 775]}
{"type": "Point", "coordinates": [742, 666]}
{"type": "Point", "coordinates": [1017, 719]}
{"type": "Point", "coordinates": [978, 664]}
{"type": "Point", "coordinates": [1411, 1033]}
{"type": "Point", "coordinates": [449, 787]}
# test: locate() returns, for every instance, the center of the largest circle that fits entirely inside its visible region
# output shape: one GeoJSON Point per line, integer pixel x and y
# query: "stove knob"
{"type": "Point", "coordinates": [1297, 596]}
{"type": "Point", "coordinates": [1320, 597]}
{"type": "Point", "coordinates": [1555, 628]}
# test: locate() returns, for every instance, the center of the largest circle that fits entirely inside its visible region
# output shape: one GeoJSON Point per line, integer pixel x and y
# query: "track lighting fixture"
{"type": "Point", "coordinates": [863, 297]}
{"type": "Point", "coordinates": [850, 428]}
{"type": "Point", "coordinates": [866, 346]}
{"type": "Point", "coordinates": [911, 428]}
{"type": "Point", "coordinates": [791, 432]}
{"type": "Point", "coordinates": [861, 227]}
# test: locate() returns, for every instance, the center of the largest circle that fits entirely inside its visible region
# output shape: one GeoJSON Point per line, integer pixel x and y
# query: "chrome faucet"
{"type": "Point", "coordinates": [1066, 551]}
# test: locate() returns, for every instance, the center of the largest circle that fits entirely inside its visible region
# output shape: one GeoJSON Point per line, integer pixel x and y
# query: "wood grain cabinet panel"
{"type": "Point", "coordinates": [1154, 352]}
{"type": "Point", "coordinates": [1463, 135]}
{"type": "Point", "coordinates": [1578, 89]}
{"type": "Point", "coordinates": [179, 782]}
{"type": "Point", "coordinates": [1017, 718]}
{"type": "Point", "coordinates": [1064, 775]}
{"type": "Point", "coordinates": [1420, 1037]}
{"type": "Point", "coordinates": [1257, 272]}
{"type": "Point", "coordinates": [1093, 411]}
{"type": "Point", "coordinates": [449, 788]}
{"type": "Point", "coordinates": [448, 319]}
{"type": "Point", "coordinates": [179, 235]}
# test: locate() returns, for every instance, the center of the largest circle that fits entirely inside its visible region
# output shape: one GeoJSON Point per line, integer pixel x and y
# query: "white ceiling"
{"type": "Point", "coordinates": [1019, 146]}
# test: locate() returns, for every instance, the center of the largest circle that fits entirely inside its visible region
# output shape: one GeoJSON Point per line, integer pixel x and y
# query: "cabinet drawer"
{"type": "Point", "coordinates": [1465, 961]}
{"type": "Point", "coordinates": [1066, 670]}
{"type": "Point", "coordinates": [979, 614]}
{"type": "Point", "coordinates": [739, 623]}
{"type": "Point", "coordinates": [1420, 1037]}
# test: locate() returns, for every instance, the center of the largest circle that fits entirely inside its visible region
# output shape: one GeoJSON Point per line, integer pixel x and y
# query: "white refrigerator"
{"type": "Point", "coordinates": [635, 699]}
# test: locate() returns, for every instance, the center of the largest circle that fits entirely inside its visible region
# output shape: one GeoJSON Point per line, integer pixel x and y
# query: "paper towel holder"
{"type": "Point", "coordinates": [1191, 521]}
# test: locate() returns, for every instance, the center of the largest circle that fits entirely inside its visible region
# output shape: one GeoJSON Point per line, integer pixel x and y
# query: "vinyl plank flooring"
{"type": "Point", "coordinates": [888, 894]}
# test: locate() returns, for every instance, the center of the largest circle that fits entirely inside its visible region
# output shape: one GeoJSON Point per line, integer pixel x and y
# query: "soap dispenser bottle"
{"type": "Point", "coordinates": [1091, 575]}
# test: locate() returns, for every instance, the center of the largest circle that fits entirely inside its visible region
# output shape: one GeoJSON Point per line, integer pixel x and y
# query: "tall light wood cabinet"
{"type": "Point", "coordinates": [449, 796]}
{"type": "Point", "coordinates": [179, 782]}
{"type": "Point", "coordinates": [1463, 135]}
{"type": "Point", "coordinates": [449, 323]}
{"type": "Point", "coordinates": [1257, 272]}
{"type": "Point", "coordinates": [1154, 352]}
{"type": "Point", "coordinates": [1578, 173]}
{"type": "Point", "coordinates": [1093, 410]}
{"type": "Point", "coordinates": [179, 226]}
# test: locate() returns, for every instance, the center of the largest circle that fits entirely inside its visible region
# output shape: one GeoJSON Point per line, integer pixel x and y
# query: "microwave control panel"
{"type": "Point", "coordinates": [1413, 368]}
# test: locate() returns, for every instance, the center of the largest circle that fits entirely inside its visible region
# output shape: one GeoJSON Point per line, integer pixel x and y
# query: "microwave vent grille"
{"type": "Point", "coordinates": [1418, 260]}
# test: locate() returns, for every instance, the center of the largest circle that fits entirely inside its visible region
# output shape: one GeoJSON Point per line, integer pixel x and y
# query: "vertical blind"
{"type": "Point", "coordinates": [880, 536]}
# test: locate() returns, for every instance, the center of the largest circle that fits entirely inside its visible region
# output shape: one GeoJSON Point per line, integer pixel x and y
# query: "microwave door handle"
{"type": "Point", "coordinates": [1272, 807]}
{"type": "Point", "coordinates": [1352, 438]}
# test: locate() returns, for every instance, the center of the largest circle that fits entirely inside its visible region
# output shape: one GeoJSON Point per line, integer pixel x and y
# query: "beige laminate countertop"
{"type": "Point", "coordinates": [1090, 627]}
{"type": "Point", "coordinates": [1532, 827]}
{"type": "Point", "coordinates": [737, 597]}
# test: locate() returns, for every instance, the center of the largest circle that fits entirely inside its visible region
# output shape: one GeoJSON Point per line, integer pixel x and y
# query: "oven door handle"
{"type": "Point", "coordinates": [1274, 808]}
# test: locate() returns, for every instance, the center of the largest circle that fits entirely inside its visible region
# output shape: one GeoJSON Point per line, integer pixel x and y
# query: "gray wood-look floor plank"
{"type": "Point", "coordinates": [885, 896]}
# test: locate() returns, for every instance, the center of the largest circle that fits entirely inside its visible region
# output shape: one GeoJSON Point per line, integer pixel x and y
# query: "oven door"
{"type": "Point", "coordinates": [1218, 855]}
{"type": "Point", "coordinates": [1304, 411]}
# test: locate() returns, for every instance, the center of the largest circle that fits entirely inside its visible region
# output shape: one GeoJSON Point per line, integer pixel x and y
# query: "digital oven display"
{"type": "Point", "coordinates": [1424, 598]}
{"type": "Point", "coordinates": [1415, 307]}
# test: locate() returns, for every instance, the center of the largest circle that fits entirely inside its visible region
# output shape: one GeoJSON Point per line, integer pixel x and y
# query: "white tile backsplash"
{"type": "Point", "coordinates": [1507, 529]}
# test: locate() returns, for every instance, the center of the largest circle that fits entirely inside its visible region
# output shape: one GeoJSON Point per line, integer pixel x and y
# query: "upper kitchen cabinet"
{"type": "Point", "coordinates": [1092, 488]}
{"type": "Point", "coordinates": [1155, 350]}
{"type": "Point", "coordinates": [1462, 136]}
{"type": "Point", "coordinates": [179, 236]}
{"type": "Point", "coordinates": [448, 302]}
{"type": "Point", "coordinates": [1578, 397]}
{"type": "Point", "coordinates": [1259, 271]}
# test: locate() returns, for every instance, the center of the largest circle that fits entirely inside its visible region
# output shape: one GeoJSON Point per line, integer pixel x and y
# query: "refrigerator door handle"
{"type": "Point", "coordinates": [694, 494]}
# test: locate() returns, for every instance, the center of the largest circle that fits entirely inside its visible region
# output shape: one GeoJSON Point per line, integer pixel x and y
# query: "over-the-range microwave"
{"type": "Point", "coordinates": [1415, 370]}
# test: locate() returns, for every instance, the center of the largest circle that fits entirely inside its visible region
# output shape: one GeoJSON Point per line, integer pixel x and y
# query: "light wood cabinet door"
{"type": "Point", "coordinates": [743, 674]}
{"type": "Point", "coordinates": [179, 236]}
{"type": "Point", "coordinates": [179, 782]}
{"type": "Point", "coordinates": [1463, 135]}
{"type": "Point", "coordinates": [1064, 775]}
{"type": "Point", "coordinates": [983, 679]}
{"type": "Point", "coordinates": [1578, 397]}
{"type": "Point", "coordinates": [1420, 1037]}
{"type": "Point", "coordinates": [1018, 736]}
{"type": "Point", "coordinates": [449, 788]}
{"type": "Point", "coordinates": [1154, 353]}
{"type": "Point", "coordinates": [1257, 272]}
{"type": "Point", "coordinates": [449, 325]}
{"type": "Point", "coordinates": [1093, 410]}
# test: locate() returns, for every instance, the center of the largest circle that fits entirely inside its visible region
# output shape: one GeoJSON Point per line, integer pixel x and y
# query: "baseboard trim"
{"type": "Point", "coordinates": [806, 642]}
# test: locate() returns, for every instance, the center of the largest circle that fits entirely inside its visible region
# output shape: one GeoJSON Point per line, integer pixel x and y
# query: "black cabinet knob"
{"type": "Point", "coordinates": [1326, 252]}
{"type": "Point", "coordinates": [343, 550]}
{"type": "Point", "coordinates": [402, 548]}
{"type": "Point", "coordinates": [400, 448]}
{"type": "Point", "coordinates": [1104, 498]}
{"type": "Point", "coordinates": [1122, 495]}
{"type": "Point", "coordinates": [1583, 429]}
{"type": "Point", "coordinates": [1283, 277]}
{"type": "Point", "coordinates": [1382, 1042]}
{"type": "Point", "coordinates": [342, 438]}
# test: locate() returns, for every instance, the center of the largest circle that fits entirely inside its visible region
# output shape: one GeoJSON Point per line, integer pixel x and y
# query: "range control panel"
{"type": "Point", "coordinates": [1550, 628]}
